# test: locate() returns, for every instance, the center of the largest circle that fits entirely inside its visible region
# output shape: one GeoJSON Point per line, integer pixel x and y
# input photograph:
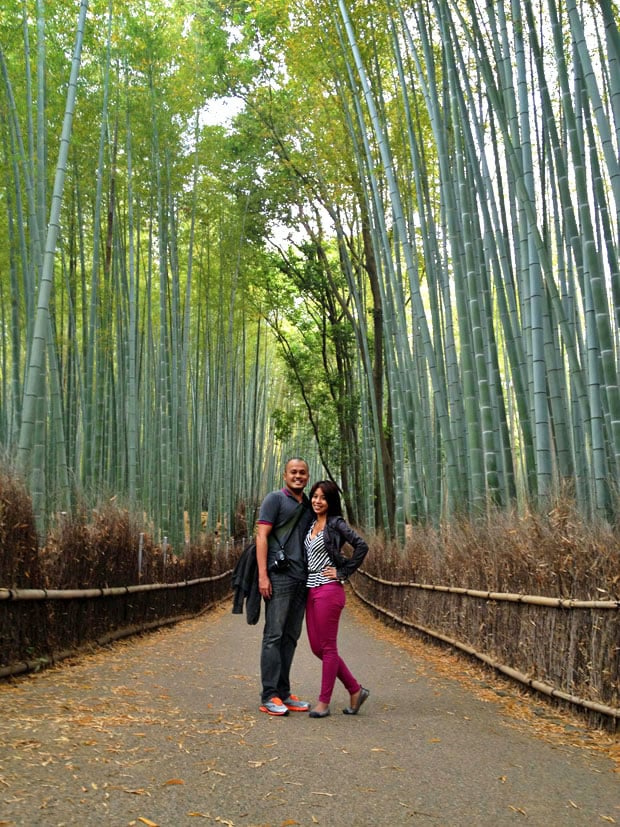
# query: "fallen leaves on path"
{"type": "Point", "coordinates": [554, 724]}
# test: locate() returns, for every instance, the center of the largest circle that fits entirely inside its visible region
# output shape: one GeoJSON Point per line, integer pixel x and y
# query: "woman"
{"type": "Point", "coordinates": [328, 568]}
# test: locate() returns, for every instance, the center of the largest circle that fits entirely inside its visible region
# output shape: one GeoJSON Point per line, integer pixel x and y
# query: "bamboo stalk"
{"type": "Point", "coordinates": [32, 387]}
{"type": "Point", "coordinates": [535, 600]}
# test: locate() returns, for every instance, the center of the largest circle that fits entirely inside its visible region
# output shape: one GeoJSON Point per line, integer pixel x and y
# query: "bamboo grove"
{"type": "Point", "coordinates": [131, 363]}
{"type": "Point", "coordinates": [400, 258]}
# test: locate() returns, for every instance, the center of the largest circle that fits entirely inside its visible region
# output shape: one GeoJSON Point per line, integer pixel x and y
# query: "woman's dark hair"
{"type": "Point", "coordinates": [331, 494]}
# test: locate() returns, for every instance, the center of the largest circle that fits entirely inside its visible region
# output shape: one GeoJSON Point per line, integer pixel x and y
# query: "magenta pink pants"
{"type": "Point", "coordinates": [323, 609]}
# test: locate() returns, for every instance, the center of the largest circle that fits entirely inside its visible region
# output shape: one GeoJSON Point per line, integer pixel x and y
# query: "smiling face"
{"type": "Point", "coordinates": [327, 497]}
{"type": "Point", "coordinates": [319, 503]}
{"type": "Point", "coordinates": [296, 476]}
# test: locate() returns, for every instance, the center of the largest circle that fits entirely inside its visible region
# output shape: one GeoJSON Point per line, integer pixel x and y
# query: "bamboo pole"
{"type": "Point", "coordinates": [75, 594]}
{"type": "Point", "coordinates": [41, 327]}
{"type": "Point", "coordinates": [534, 600]}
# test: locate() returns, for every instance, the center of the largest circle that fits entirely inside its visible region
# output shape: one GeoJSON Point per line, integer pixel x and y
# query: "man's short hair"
{"type": "Point", "coordinates": [296, 459]}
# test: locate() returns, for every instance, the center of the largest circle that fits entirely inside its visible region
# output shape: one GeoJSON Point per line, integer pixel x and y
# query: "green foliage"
{"type": "Point", "coordinates": [284, 424]}
{"type": "Point", "coordinates": [406, 245]}
{"type": "Point", "coordinates": [157, 346]}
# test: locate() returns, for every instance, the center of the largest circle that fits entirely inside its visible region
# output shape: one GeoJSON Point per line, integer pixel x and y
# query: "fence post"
{"type": "Point", "coordinates": [140, 550]}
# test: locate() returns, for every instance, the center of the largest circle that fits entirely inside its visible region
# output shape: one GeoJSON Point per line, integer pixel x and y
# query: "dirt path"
{"type": "Point", "coordinates": [165, 730]}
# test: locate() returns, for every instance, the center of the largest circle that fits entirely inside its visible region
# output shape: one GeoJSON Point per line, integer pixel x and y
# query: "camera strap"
{"type": "Point", "coordinates": [293, 521]}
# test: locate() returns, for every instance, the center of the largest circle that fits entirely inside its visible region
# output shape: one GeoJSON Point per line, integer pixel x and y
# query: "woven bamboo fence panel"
{"type": "Point", "coordinates": [568, 649]}
{"type": "Point", "coordinates": [42, 626]}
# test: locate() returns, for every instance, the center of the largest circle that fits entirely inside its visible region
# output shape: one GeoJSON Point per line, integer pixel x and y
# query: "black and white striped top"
{"type": "Point", "coordinates": [317, 559]}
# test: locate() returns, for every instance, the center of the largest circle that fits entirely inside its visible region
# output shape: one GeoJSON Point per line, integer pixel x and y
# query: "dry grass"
{"type": "Point", "coordinates": [556, 554]}
{"type": "Point", "coordinates": [93, 549]}
{"type": "Point", "coordinates": [19, 554]}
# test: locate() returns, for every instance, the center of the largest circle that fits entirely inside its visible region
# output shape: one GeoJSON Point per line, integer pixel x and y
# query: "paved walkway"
{"type": "Point", "coordinates": [165, 730]}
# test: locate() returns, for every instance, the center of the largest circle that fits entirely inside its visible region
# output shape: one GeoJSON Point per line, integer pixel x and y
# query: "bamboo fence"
{"type": "Point", "coordinates": [39, 627]}
{"type": "Point", "coordinates": [566, 649]}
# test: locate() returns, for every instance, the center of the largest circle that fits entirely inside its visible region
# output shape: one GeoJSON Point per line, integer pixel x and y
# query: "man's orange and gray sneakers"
{"type": "Point", "coordinates": [293, 704]}
{"type": "Point", "coordinates": [274, 706]}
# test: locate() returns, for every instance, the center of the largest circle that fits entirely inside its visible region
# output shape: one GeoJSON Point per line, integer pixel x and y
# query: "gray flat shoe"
{"type": "Point", "coordinates": [314, 714]}
{"type": "Point", "coordinates": [353, 710]}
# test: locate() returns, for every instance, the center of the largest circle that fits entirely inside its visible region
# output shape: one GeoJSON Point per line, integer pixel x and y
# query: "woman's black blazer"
{"type": "Point", "coordinates": [336, 533]}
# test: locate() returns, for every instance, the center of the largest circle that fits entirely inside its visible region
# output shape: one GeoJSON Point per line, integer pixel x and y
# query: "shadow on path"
{"type": "Point", "coordinates": [165, 730]}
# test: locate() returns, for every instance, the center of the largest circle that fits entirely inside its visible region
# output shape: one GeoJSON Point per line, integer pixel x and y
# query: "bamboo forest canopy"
{"type": "Point", "coordinates": [397, 255]}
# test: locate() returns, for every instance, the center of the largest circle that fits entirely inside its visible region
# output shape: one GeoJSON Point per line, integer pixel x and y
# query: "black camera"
{"type": "Point", "coordinates": [281, 562]}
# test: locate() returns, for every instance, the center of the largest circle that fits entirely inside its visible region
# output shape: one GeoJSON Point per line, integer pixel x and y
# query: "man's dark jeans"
{"type": "Point", "coordinates": [284, 617]}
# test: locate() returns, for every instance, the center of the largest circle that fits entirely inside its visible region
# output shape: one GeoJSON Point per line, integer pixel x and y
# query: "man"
{"type": "Point", "coordinates": [283, 521]}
